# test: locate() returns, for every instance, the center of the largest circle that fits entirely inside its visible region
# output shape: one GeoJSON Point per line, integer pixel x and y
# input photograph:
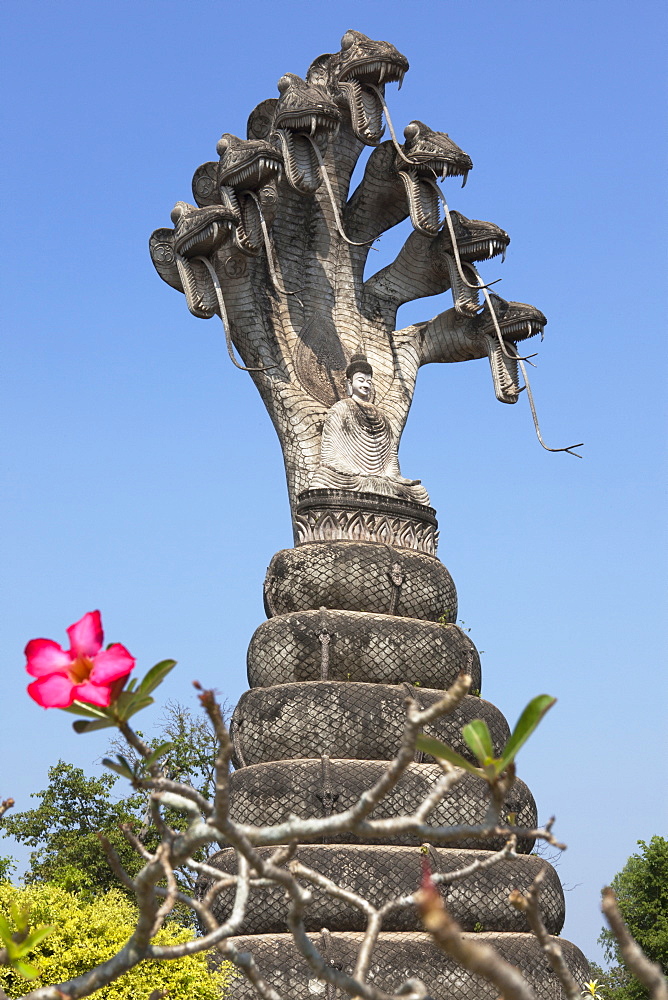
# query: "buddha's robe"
{"type": "Point", "coordinates": [359, 452]}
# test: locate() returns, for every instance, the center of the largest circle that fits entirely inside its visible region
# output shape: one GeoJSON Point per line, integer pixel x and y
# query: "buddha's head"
{"type": "Point", "coordinates": [359, 379]}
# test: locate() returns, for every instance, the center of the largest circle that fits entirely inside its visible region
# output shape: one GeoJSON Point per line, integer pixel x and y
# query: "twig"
{"type": "Point", "coordinates": [474, 956]}
{"type": "Point", "coordinates": [530, 906]}
{"type": "Point", "coordinates": [648, 973]}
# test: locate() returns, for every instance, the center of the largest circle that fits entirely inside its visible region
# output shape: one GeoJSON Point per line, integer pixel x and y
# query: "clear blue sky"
{"type": "Point", "coordinates": [143, 476]}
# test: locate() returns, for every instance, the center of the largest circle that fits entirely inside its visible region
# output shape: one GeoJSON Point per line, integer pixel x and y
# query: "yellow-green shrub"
{"type": "Point", "coordinates": [86, 933]}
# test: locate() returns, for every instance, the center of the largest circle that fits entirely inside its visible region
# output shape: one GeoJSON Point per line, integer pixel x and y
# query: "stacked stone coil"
{"type": "Point", "coordinates": [353, 627]}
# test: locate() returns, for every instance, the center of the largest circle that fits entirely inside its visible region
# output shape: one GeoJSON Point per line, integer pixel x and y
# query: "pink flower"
{"type": "Point", "coordinates": [85, 672]}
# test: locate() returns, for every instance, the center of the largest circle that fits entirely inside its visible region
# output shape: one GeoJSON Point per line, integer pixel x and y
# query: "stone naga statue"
{"type": "Point", "coordinates": [277, 247]}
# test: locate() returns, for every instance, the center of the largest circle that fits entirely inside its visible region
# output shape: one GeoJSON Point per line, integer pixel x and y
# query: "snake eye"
{"type": "Point", "coordinates": [411, 132]}
{"type": "Point", "coordinates": [283, 84]}
{"type": "Point", "coordinates": [223, 144]}
{"type": "Point", "coordinates": [179, 209]}
{"type": "Point", "coordinates": [501, 306]}
{"type": "Point", "coordinates": [347, 40]}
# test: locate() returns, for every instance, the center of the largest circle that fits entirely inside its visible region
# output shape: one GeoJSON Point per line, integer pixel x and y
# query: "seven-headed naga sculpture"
{"type": "Point", "coordinates": [277, 247]}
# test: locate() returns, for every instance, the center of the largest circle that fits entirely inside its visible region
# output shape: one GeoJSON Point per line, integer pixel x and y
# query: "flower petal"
{"type": "Point", "coordinates": [110, 664]}
{"type": "Point", "coordinates": [93, 694]}
{"type": "Point", "coordinates": [86, 635]}
{"type": "Point", "coordinates": [46, 657]}
{"type": "Point", "coordinates": [54, 691]}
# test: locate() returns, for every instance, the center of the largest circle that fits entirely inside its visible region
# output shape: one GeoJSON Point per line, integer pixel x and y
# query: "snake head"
{"type": "Point", "coordinates": [425, 156]}
{"type": "Point", "coordinates": [198, 232]}
{"type": "Point", "coordinates": [353, 73]}
{"type": "Point", "coordinates": [516, 321]}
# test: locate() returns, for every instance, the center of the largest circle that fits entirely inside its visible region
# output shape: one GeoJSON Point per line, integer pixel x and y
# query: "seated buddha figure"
{"type": "Point", "coordinates": [359, 449]}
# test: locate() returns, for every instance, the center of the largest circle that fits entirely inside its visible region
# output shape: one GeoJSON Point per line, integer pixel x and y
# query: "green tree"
{"type": "Point", "coordinates": [74, 807]}
{"type": "Point", "coordinates": [7, 866]}
{"type": "Point", "coordinates": [641, 888]}
{"type": "Point", "coordinates": [63, 828]}
{"type": "Point", "coordinates": [86, 932]}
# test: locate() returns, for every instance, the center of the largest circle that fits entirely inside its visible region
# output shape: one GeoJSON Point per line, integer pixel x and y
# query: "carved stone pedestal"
{"type": "Point", "coordinates": [335, 515]}
{"type": "Point", "coordinates": [353, 627]}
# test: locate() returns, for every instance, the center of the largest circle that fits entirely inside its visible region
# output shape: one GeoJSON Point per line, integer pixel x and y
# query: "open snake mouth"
{"type": "Point", "coordinates": [253, 174]}
{"type": "Point", "coordinates": [302, 118]}
{"type": "Point", "coordinates": [304, 108]}
{"type": "Point", "coordinates": [200, 231]}
{"type": "Point", "coordinates": [366, 109]}
{"type": "Point", "coordinates": [248, 233]}
{"type": "Point", "coordinates": [378, 71]}
{"type": "Point", "coordinates": [521, 329]}
{"type": "Point", "coordinates": [366, 112]}
{"type": "Point", "coordinates": [423, 197]}
{"type": "Point", "coordinates": [301, 165]}
{"type": "Point", "coordinates": [481, 249]}
{"type": "Point", "coordinates": [517, 320]}
{"type": "Point", "coordinates": [316, 121]}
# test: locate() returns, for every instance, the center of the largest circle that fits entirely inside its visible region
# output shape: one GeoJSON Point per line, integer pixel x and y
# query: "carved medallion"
{"type": "Point", "coordinates": [320, 360]}
{"type": "Point", "coordinates": [259, 120]}
{"type": "Point", "coordinates": [235, 266]}
{"type": "Point", "coordinates": [205, 184]}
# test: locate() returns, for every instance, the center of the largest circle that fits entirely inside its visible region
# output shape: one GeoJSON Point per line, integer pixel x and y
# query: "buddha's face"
{"type": "Point", "coordinates": [361, 387]}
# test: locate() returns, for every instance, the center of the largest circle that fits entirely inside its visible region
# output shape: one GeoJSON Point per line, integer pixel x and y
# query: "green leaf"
{"type": "Point", "coordinates": [477, 738]}
{"type": "Point", "coordinates": [157, 754]}
{"type": "Point", "coordinates": [26, 970]}
{"type": "Point", "coordinates": [155, 676]}
{"type": "Point", "coordinates": [20, 915]}
{"type": "Point", "coordinates": [123, 769]}
{"type": "Point", "coordinates": [88, 725]}
{"type": "Point", "coordinates": [90, 711]}
{"type": "Point", "coordinates": [525, 726]}
{"type": "Point", "coordinates": [35, 937]}
{"type": "Point", "coordinates": [134, 705]}
{"type": "Point", "coordinates": [437, 749]}
{"type": "Point", "coordinates": [5, 931]}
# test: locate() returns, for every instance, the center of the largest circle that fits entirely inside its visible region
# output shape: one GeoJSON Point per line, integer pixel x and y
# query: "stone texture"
{"type": "Point", "coordinates": [358, 646]}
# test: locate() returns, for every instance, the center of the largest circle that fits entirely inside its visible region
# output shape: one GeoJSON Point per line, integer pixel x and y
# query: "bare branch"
{"type": "Point", "coordinates": [648, 973]}
{"type": "Point", "coordinates": [221, 803]}
{"type": "Point", "coordinates": [530, 906]}
{"type": "Point", "coordinates": [472, 955]}
{"type": "Point", "coordinates": [172, 889]}
{"type": "Point", "coordinates": [114, 862]}
{"type": "Point", "coordinates": [5, 805]}
{"type": "Point", "coordinates": [217, 933]}
{"type": "Point", "coordinates": [160, 785]}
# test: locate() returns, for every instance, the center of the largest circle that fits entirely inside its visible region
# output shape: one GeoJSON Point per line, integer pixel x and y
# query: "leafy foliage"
{"type": "Point", "coordinates": [74, 807]}
{"type": "Point", "coordinates": [87, 932]}
{"type": "Point", "coordinates": [477, 738]}
{"type": "Point", "coordinates": [124, 705]}
{"type": "Point", "coordinates": [19, 937]}
{"type": "Point", "coordinates": [7, 867]}
{"type": "Point", "coordinates": [641, 888]}
{"type": "Point", "coordinates": [613, 983]}
{"type": "Point", "coordinates": [63, 830]}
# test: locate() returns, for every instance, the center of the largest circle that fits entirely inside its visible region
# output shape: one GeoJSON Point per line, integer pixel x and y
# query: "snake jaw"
{"type": "Point", "coordinates": [366, 112]}
{"type": "Point", "coordinates": [301, 165]}
{"type": "Point", "coordinates": [517, 321]}
{"type": "Point", "coordinates": [201, 231]}
{"type": "Point", "coordinates": [247, 164]}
